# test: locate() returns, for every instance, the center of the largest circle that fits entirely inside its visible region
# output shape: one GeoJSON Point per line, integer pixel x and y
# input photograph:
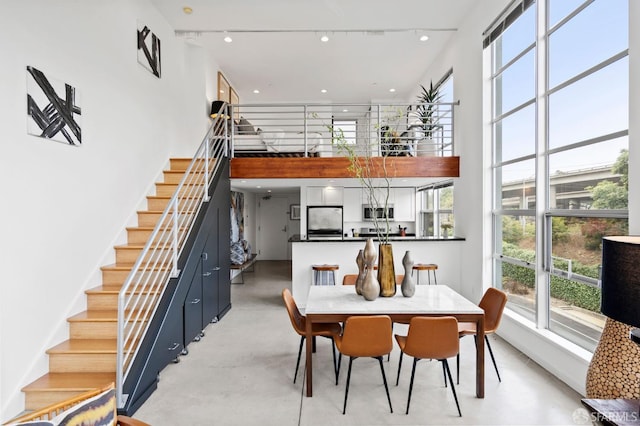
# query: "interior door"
{"type": "Point", "coordinates": [272, 228]}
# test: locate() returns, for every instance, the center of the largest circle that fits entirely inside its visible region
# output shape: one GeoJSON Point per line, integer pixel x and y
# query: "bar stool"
{"type": "Point", "coordinates": [430, 268]}
{"type": "Point", "coordinates": [324, 274]}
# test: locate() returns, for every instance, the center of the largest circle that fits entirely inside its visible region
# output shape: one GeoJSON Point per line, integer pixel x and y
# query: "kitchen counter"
{"type": "Point", "coordinates": [297, 239]}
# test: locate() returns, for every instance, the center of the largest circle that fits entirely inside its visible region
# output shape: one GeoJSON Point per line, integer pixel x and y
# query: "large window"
{"type": "Point", "coordinates": [560, 156]}
{"type": "Point", "coordinates": [436, 210]}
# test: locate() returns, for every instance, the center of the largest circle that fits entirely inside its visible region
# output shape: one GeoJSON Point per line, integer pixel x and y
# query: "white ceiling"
{"type": "Point", "coordinates": [374, 45]}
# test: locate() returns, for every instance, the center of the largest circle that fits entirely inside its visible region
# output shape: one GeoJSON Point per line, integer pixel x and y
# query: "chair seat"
{"type": "Point", "coordinates": [327, 330]}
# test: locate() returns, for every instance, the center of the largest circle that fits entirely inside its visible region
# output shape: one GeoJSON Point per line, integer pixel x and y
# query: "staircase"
{"type": "Point", "coordinates": [87, 360]}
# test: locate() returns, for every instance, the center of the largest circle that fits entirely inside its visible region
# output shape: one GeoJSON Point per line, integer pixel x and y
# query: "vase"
{"type": "Point", "coordinates": [386, 271]}
{"type": "Point", "coordinates": [613, 371]}
{"type": "Point", "coordinates": [370, 286]}
{"type": "Point", "coordinates": [369, 253]}
{"type": "Point", "coordinates": [408, 286]}
{"type": "Point", "coordinates": [361, 271]}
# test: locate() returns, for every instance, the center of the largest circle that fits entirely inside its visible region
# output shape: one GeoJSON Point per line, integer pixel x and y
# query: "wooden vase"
{"type": "Point", "coordinates": [386, 271]}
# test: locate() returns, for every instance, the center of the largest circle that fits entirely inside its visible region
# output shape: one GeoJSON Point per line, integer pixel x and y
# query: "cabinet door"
{"type": "Point", "coordinates": [352, 205]}
{"type": "Point", "coordinates": [315, 196]}
{"type": "Point", "coordinates": [333, 196]}
{"type": "Point", "coordinates": [210, 274]}
{"type": "Point", "coordinates": [192, 308]}
{"type": "Point", "coordinates": [405, 204]}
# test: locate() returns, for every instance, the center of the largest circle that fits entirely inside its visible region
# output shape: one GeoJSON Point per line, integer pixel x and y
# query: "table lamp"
{"type": "Point", "coordinates": [217, 108]}
{"type": "Point", "coordinates": [615, 366]}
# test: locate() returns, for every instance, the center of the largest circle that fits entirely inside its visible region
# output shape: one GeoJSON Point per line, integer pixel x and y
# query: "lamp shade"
{"type": "Point", "coordinates": [621, 279]}
{"type": "Point", "coordinates": [219, 107]}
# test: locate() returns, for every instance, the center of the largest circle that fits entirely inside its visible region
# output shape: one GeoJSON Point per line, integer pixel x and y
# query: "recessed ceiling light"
{"type": "Point", "coordinates": [345, 110]}
{"type": "Point", "coordinates": [424, 37]}
{"type": "Point", "coordinates": [187, 10]}
{"type": "Point", "coordinates": [258, 186]}
{"type": "Point", "coordinates": [324, 38]}
{"type": "Point", "coordinates": [324, 90]}
{"type": "Point", "coordinates": [243, 181]}
{"type": "Point", "coordinates": [392, 90]}
{"type": "Point", "coordinates": [228, 39]}
{"type": "Point", "coordinates": [256, 91]}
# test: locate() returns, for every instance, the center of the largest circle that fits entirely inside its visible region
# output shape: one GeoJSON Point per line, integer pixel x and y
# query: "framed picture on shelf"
{"type": "Point", "coordinates": [294, 211]}
{"type": "Point", "coordinates": [224, 88]}
{"type": "Point", "coordinates": [234, 99]}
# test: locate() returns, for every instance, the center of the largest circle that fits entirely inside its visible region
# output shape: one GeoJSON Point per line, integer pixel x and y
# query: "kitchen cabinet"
{"type": "Point", "coordinates": [352, 205]}
{"type": "Point", "coordinates": [325, 196]}
{"type": "Point", "coordinates": [404, 202]}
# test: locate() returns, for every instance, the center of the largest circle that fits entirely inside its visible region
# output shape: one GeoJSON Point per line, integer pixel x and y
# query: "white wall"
{"type": "Point", "coordinates": [64, 205]}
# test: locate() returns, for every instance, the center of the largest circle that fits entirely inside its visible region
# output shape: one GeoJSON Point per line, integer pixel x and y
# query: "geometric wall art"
{"type": "Point", "coordinates": [53, 108]}
{"type": "Point", "coordinates": [149, 50]}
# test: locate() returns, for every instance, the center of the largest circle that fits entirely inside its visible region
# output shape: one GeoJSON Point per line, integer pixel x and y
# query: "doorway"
{"type": "Point", "coordinates": [273, 231]}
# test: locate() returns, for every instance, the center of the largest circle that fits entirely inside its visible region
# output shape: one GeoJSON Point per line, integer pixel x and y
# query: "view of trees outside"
{"type": "Point", "coordinates": [584, 151]}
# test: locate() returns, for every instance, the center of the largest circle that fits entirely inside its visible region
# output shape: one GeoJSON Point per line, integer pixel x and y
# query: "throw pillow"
{"type": "Point", "coordinates": [245, 127]}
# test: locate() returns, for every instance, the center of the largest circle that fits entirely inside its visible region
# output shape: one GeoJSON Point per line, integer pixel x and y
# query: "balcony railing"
{"type": "Point", "coordinates": [327, 130]}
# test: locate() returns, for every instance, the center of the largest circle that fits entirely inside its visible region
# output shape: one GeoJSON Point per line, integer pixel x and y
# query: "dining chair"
{"type": "Point", "coordinates": [430, 338]}
{"type": "Point", "coordinates": [493, 302]}
{"type": "Point", "coordinates": [365, 336]}
{"type": "Point", "coordinates": [350, 279]}
{"type": "Point", "coordinates": [298, 321]}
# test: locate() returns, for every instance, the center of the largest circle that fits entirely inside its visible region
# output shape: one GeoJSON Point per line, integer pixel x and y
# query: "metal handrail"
{"type": "Point", "coordinates": [143, 288]}
{"type": "Point", "coordinates": [308, 129]}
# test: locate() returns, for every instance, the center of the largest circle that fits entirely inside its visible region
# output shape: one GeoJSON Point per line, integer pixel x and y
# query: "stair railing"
{"type": "Point", "coordinates": [143, 288]}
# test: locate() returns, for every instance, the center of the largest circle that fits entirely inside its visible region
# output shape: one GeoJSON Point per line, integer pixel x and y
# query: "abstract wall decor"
{"type": "Point", "coordinates": [237, 216]}
{"type": "Point", "coordinates": [53, 109]}
{"type": "Point", "coordinates": [149, 50]}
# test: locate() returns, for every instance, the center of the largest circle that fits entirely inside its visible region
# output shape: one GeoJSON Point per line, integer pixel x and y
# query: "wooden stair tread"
{"type": "Point", "coordinates": [115, 289]}
{"type": "Point", "coordinates": [85, 346]}
{"type": "Point", "coordinates": [106, 315]}
{"type": "Point", "coordinates": [69, 382]}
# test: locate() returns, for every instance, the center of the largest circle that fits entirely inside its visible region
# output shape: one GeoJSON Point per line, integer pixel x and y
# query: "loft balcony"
{"type": "Point", "coordinates": [291, 141]}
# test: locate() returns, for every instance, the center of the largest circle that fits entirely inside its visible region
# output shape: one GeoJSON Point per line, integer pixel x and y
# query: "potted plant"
{"type": "Point", "coordinates": [446, 226]}
{"type": "Point", "coordinates": [425, 112]}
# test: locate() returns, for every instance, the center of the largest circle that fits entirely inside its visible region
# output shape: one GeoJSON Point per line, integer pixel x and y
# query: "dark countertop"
{"type": "Point", "coordinates": [296, 239]}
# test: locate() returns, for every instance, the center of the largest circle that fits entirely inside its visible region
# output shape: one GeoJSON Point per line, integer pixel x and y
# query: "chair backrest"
{"type": "Point", "coordinates": [493, 302]}
{"type": "Point", "coordinates": [432, 338]}
{"type": "Point", "coordinates": [298, 320]}
{"type": "Point", "coordinates": [365, 336]}
{"type": "Point", "coordinates": [349, 279]}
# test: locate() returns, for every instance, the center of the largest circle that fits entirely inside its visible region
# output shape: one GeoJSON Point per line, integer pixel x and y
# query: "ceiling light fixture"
{"type": "Point", "coordinates": [324, 38]}
{"type": "Point", "coordinates": [187, 10]}
{"type": "Point", "coordinates": [323, 90]}
{"type": "Point", "coordinates": [256, 91]}
{"type": "Point", "coordinates": [424, 37]}
{"type": "Point", "coordinates": [392, 90]}
{"type": "Point", "coordinates": [228, 39]}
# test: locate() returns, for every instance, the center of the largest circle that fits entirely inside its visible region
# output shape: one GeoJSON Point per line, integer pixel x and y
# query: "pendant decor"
{"type": "Point", "coordinates": [361, 272]}
{"type": "Point", "coordinates": [386, 271]}
{"type": "Point", "coordinates": [408, 286]}
{"type": "Point", "coordinates": [370, 285]}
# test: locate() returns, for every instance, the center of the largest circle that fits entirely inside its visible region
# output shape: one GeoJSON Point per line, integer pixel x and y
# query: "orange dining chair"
{"type": "Point", "coordinates": [493, 302]}
{"type": "Point", "coordinates": [349, 279]}
{"type": "Point", "coordinates": [365, 336]}
{"type": "Point", "coordinates": [430, 338]}
{"type": "Point", "coordinates": [298, 321]}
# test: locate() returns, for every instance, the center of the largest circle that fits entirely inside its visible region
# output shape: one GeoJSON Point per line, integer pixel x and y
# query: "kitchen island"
{"type": "Point", "coordinates": [445, 253]}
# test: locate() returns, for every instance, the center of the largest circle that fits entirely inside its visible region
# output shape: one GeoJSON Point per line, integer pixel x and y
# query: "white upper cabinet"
{"type": "Point", "coordinates": [404, 203]}
{"type": "Point", "coordinates": [325, 196]}
{"type": "Point", "coordinates": [352, 205]}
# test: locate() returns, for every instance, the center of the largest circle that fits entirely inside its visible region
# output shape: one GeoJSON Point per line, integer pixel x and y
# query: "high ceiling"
{"type": "Point", "coordinates": [373, 47]}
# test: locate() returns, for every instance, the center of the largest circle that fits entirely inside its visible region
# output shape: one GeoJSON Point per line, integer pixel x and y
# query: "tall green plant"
{"type": "Point", "coordinates": [426, 107]}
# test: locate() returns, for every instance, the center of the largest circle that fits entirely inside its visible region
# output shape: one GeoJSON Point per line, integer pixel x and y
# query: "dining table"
{"type": "Point", "coordinates": [326, 304]}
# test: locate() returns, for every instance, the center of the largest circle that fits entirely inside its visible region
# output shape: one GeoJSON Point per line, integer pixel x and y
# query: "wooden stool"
{"type": "Point", "coordinates": [324, 274]}
{"type": "Point", "coordinates": [429, 267]}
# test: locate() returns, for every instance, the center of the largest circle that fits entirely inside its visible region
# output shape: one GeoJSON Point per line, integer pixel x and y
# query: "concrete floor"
{"type": "Point", "coordinates": [241, 373]}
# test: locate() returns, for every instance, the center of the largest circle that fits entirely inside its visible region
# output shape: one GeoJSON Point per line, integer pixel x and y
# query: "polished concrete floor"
{"type": "Point", "coordinates": [241, 373]}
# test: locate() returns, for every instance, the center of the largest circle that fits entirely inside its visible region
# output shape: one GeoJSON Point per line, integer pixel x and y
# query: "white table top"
{"type": "Point", "coordinates": [428, 299]}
